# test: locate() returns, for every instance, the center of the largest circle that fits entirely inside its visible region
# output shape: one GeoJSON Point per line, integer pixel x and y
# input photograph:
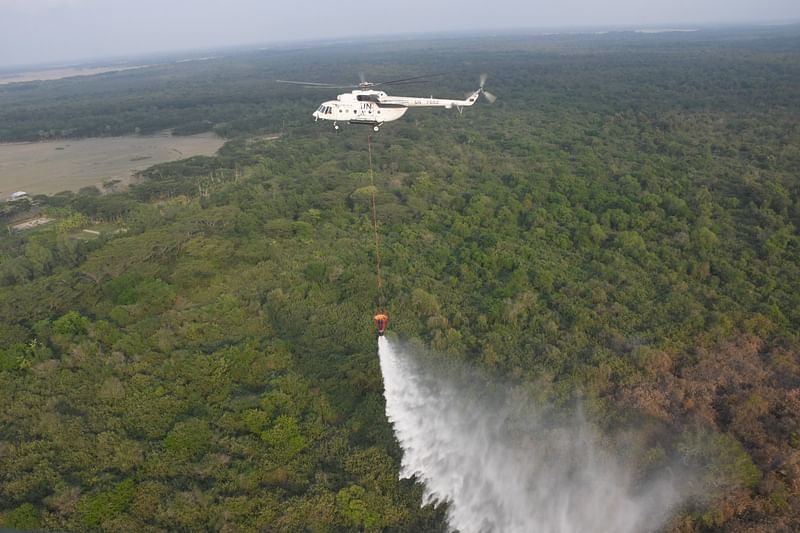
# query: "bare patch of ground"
{"type": "Point", "coordinates": [49, 167]}
{"type": "Point", "coordinates": [268, 137]}
{"type": "Point", "coordinates": [28, 224]}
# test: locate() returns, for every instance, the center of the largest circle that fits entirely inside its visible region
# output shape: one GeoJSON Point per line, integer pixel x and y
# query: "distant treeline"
{"type": "Point", "coordinates": [237, 94]}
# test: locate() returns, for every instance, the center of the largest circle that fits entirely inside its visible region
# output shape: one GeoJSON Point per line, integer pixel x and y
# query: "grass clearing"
{"type": "Point", "coordinates": [60, 73]}
{"type": "Point", "coordinates": [49, 167]}
{"type": "Point", "coordinates": [33, 223]}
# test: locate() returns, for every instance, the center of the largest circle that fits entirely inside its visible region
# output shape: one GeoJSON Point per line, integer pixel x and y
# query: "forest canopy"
{"type": "Point", "coordinates": [622, 223]}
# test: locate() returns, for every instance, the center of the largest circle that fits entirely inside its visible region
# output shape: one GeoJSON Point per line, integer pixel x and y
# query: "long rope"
{"type": "Point", "coordinates": [375, 225]}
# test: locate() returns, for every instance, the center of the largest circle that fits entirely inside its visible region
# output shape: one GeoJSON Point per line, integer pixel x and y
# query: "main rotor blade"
{"type": "Point", "coordinates": [312, 85]}
{"type": "Point", "coordinates": [336, 87]}
{"type": "Point", "coordinates": [415, 82]}
{"type": "Point", "coordinates": [404, 80]}
{"type": "Point", "coordinates": [306, 83]}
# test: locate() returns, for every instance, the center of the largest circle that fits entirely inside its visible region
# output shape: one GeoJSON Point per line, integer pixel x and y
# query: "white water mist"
{"type": "Point", "coordinates": [504, 468]}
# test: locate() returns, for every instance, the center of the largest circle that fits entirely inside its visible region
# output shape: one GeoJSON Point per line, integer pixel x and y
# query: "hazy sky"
{"type": "Point", "coordinates": [44, 31]}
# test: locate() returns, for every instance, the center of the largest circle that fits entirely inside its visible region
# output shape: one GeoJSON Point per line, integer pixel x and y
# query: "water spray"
{"type": "Point", "coordinates": [501, 464]}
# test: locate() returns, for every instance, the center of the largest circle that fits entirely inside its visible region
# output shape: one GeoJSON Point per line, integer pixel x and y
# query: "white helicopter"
{"type": "Point", "coordinates": [366, 105]}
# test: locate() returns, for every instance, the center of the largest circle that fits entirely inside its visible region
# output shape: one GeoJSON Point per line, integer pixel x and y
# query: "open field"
{"type": "Point", "coordinates": [59, 73]}
{"type": "Point", "coordinates": [53, 166]}
{"type": "Point", "coordinates": [33, 223]}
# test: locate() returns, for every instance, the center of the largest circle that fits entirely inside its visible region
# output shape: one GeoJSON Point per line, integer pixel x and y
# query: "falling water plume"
{"type": "Point", "coordinates": [504, 465]}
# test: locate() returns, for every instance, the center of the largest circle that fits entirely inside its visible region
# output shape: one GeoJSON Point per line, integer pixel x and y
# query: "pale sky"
{"type": "Point", "coordinates": [48, 31]}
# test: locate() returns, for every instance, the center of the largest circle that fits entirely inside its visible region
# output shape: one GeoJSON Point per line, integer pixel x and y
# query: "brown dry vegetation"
{"type": "Point", "coordinates": [748, 389]}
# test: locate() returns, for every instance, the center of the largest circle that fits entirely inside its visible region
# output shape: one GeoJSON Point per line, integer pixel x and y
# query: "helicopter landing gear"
{"type": "Point", "coordinates": [376, 127]}
{"type": "Point", "coordinates": [336, 126]}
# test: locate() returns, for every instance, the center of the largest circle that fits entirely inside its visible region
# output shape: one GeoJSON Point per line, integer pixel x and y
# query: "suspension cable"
{"type": "Point", "coordinates": [375, 225]}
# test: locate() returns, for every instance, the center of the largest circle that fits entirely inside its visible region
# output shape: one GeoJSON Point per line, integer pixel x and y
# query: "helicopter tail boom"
{"type": "Point", "coordinates": [413, 101]}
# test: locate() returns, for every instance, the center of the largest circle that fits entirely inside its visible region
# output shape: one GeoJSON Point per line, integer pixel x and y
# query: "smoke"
{"type": "Point", "coordinates": [507, 466]}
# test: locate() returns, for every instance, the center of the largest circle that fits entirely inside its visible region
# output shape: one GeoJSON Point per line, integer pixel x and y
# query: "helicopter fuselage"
{"type": "Point", "coordinates": [376, 107]}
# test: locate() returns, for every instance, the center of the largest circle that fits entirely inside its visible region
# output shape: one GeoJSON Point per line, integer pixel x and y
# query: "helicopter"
{"type": "Point", "coordinates": [370, 106]}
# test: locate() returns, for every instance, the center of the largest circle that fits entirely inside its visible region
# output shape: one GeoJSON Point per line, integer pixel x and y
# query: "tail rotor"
{"type": "Point", "coordinates": [489, 96]}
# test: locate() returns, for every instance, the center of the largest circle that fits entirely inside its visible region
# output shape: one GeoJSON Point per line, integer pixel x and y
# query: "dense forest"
{"type": "Point", "coordinates": [621, 225]}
